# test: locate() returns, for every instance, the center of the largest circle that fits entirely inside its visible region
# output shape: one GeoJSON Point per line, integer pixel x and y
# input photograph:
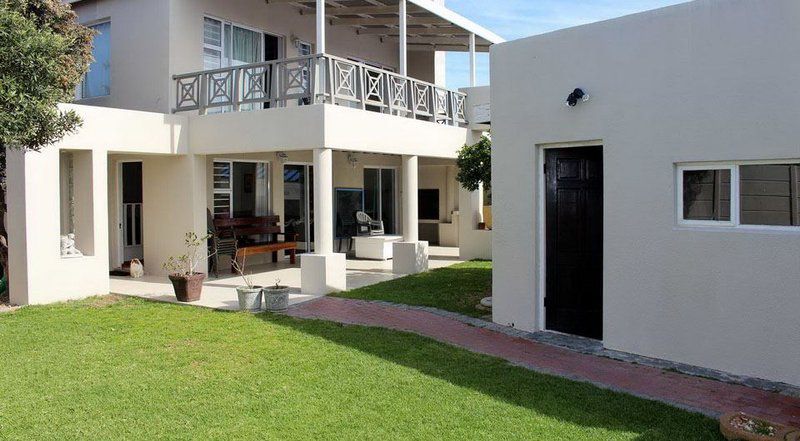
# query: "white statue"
{"type": "Point", "coordinates": [68, 246]}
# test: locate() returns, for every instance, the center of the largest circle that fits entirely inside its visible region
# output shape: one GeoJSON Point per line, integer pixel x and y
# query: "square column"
{"type": "Point", "coordinates": [320, 26]}
{"type": "Point", "coordinates": [403, 31]}
{"type": "Point", "coordinates": [410, 255]}
{"type": "Point", "coordinates": [324, 271]}
{"type": "Point", "coordinates": [473, 74]}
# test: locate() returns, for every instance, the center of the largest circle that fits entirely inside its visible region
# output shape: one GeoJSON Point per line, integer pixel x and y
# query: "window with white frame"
{"type": "Point", "coordinates": [97, 81]}
{"type": "Point", "coordinates": [241, 188]}
{"type": "Point", "coordinates": [746, 194]}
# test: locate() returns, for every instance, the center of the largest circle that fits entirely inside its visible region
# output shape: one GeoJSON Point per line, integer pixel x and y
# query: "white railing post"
{"type": "Point", "coordinates": [202, 101]}
{"type": "Point", "coordinates": [473, 73]}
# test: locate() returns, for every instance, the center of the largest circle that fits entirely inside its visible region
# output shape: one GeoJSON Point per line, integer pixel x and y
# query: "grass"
{"type": "Point", "coordinates": [117, 368]}
{"type": "Point", "coordinates": [458, 288]}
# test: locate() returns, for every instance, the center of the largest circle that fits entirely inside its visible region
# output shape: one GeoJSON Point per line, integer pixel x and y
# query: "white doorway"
{"type": "Point", "coordinates": [130, 211]}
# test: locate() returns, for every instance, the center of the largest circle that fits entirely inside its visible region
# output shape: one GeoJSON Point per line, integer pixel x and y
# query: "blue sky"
{"type": "Point", "coordinates": [512, 19]}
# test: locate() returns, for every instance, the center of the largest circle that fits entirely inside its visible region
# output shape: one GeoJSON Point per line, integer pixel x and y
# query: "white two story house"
{"type": "Point", "coordinates": [307, 110]}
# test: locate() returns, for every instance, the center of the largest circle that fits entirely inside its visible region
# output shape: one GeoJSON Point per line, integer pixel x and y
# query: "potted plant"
{"type": "Point", "coordinates": [249, 294]}
{"type": "Point", "coordinates": [742, 427]}
{"type": "Point", "coordinates": [276, 297]}
{"type": "Point", "coordinates": [186, 281]}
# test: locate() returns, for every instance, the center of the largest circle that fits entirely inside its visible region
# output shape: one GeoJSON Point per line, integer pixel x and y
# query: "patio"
{"type": "Point", "coordinates": [219, 293]}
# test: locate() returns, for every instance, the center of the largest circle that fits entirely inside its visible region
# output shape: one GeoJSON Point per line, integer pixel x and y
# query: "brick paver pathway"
{"type": "Point", "coordinates": [707, 396]}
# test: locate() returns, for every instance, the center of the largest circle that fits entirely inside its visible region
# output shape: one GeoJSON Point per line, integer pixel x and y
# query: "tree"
{"type": "Point", "coordinates": [475, 165]}
{"type": "Point", "coordinates": [44, 54]}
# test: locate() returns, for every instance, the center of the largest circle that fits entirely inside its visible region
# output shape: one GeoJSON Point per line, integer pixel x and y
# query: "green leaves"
{"type": "Point", "coordinates": [44, 54]}
{"type": "Point", "coordinates": [475, 165]}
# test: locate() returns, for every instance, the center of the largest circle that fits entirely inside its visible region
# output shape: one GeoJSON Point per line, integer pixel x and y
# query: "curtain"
{"type": "Point", "coordinates": [245, 47]}
{"type": "Point", "coordinates": [98, 79]}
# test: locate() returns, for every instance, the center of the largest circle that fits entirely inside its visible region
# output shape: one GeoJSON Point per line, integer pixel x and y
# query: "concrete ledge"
{"type": "Point", "coordinates": [375, 247]}
{"type": "Point", "coordinates": [410, 257]}
{"type": "Point", "coordinates": [322, 274]}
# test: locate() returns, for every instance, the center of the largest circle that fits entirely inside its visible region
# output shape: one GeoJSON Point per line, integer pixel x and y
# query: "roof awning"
{"type": "Point", "coordinates": [431, 27]}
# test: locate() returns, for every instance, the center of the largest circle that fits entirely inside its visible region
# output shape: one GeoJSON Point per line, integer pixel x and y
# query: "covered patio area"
{"type": "Point", "coordinates": [220, 293]}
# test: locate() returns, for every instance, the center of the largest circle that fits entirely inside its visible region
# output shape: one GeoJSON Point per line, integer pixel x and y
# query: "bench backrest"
{"type": "Point", "coordinates": [247, 226]}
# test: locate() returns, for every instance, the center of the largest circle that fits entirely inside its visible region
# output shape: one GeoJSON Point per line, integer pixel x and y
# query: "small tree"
{"type": "Point", "coordinates": [44, 54]}
{"type": "Point", "coordinates": [475, 165]}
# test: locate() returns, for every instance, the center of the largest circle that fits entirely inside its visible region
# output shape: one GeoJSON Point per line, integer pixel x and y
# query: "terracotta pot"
{"type": "Point", "coordinates": [734, 433]}
{"type": "Point", "coordinates": [187, 288]}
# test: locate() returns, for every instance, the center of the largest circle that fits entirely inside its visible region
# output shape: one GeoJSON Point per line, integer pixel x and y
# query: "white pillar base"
{"type": "Point", "coordinates": [410, 257]}
{"type": "Point", "coordinates": [322, 274]}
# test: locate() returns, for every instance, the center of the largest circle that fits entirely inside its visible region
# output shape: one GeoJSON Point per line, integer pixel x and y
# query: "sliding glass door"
{"type": "Point", "coordinates": [298, 203]}
{"type": "Point", "coordinates": [380, 187]}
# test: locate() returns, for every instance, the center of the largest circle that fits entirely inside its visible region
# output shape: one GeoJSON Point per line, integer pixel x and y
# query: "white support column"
{"type": "Point", "coordinates": [324, 271]}
{"type": "Point", "coordinates": [411, 255]}
{"type": "Point", "coordinates": [403, 38]}
{"type": "Point", "coordinates": [323, 201]}
{"type": "Point", "coordinates": [320, 26]}
{"type": "Point", "coordinates": [473, 74]}
{"type": "Point", "coordinates": [410, 196]}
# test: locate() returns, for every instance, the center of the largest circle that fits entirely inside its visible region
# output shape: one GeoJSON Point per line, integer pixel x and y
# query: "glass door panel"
{"type": "Point", "coordinates": [388, 200]}
{"type": "Point", "coordinates": [298, 204]}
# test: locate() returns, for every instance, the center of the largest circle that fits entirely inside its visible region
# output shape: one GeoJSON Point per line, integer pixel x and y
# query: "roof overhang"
{"type": "Point", "coordinates": [431, 26]}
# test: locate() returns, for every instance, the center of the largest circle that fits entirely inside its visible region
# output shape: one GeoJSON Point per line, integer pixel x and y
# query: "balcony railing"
{"type": "Point", "coordinates": [316, 79]}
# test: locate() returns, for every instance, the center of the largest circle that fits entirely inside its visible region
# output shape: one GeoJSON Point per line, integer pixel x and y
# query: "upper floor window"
{"type": "Point", "coordinates": [740, 194]}
{"type": "Point", "coordinates": [97, 81]}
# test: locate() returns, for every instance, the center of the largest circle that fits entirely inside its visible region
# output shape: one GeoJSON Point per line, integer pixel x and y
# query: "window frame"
{"type": "Point", "coordinates": [735, 222]}
{"type": "Point", "coordinates": [79, 90]}
{"type": "Point", "coordinates": [229, 190]}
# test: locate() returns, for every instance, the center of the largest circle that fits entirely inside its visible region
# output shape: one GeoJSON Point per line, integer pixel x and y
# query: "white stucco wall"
{"type": "Point", "coordinates": [709, 80]}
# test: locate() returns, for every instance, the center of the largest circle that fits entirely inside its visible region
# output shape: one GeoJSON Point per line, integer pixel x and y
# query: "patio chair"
{"type": "Point", "coordinates": [367, 226]}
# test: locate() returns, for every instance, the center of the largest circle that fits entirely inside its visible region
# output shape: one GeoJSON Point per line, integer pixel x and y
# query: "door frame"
{"type": "Point", "coordinates": [540, 235]}
{"type": "Point", "coordinates": [395, 192]}
{"type": "Point", "coordinates": [120, 254]}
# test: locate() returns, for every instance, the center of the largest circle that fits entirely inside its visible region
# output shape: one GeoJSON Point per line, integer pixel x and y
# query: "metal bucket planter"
{"type": "Point", "coordinates": [249, 298]}
{"type": "Point", "coordinates": [187, 288]}
{"type": "Point", "coordinates": [741, 427]}
{"type": "Point", "coordinates": [276, 298]}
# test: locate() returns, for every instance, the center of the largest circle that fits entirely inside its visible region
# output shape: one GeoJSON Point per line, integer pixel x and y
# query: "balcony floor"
{"type": "Point", "coordinates": [220, 293]}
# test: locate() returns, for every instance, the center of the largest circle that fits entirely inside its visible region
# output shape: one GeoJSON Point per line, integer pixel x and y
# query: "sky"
{"type": "Point", "coordinates": [512, 19]}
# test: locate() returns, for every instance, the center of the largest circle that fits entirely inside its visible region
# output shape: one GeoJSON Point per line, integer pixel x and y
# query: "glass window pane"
{"type": "Point", "coordinates": [222, 204]}
{"type": "Point", "coordinates": [387, 200]}
{"type": "Point", "coordinates": [97, 81]}
{"type": "Point", "coordinates": [770, 194]}
{"type": "Point", "coordinates": [707, 195]}
{"type": "Point", "coordinates": [371, 192]}
{"type": "Point", "coordinates": [222, 175]}
{"type": "Point", "coordinates": [212, 32]}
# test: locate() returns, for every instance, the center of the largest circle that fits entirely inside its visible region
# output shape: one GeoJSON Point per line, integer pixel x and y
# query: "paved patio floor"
{"type": "Point", "coordinates": [221, 294]}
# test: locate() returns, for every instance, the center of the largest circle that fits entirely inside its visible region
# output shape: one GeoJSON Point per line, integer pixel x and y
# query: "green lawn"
{"type": "Point", "coordinates": [458, 288]}
{"type": "Point", "coordinates": [110, 368]}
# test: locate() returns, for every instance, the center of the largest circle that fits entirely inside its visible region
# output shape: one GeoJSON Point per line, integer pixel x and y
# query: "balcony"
{"type": "Point", "coordinates": [317, 79]}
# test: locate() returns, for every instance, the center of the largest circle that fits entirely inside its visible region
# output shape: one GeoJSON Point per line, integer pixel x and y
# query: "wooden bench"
{"type": "Point", "coordinates": [248, 234]}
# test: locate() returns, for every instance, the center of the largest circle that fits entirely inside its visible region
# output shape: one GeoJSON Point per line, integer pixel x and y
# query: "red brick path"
{"type": "Point", "coordinates": [708, 396]}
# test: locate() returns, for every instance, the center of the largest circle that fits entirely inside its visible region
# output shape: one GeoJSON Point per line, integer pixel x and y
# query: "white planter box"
{"type": "Point", "coordinates": [375, 247]}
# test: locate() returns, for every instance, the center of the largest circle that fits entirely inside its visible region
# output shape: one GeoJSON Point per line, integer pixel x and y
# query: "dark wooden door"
{"type": "Point", "coordinates": [574, 236]}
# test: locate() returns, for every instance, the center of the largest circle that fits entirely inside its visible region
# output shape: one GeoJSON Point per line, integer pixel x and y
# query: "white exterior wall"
{"type": "Point", "coordinates": [705, 81]}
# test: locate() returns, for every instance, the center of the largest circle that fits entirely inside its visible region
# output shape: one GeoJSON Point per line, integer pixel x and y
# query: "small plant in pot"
{"type": "Point", "coordinates": [276, 297]}
{"type": "Point", "coordinates": [249, 294]}
{"type": "Point", "coordinates": [186, 281]}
